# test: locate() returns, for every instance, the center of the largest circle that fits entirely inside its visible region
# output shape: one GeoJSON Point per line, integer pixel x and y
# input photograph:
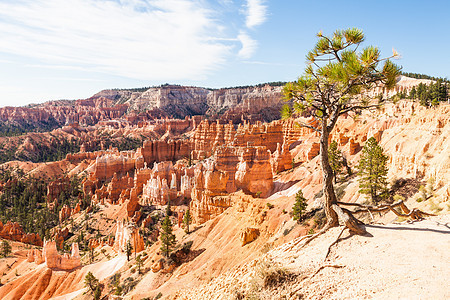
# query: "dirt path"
{"type": "Point", "coordinates": [399, 261]}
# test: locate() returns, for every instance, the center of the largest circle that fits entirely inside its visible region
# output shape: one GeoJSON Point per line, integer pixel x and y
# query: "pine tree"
{"type": "Point", "coordinates": [5, 249]}
{"type": "Point", "coordinates": [187, 220]}
{"type": "Point", "coordinates": [128, 249]}
{"type": "Point", "coordinates": [299, 206]}
{"type": "Point", "coordinates": [335, 159]}
{"type": "Point", "coordinates": [91, 282]}
{"type": "Point", "coordinates": [168, 209]}
{"type": "Point", "coordinates": [168, 240]}
{"type": "Point", "coordinates": [139, 263]}
{"type": "Point", "coordinates": [339, 78]}
{"type": "Point", "coordinates": [373, 171]}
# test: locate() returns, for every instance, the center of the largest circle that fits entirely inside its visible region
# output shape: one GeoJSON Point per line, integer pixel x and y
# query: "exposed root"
{"type": "Point", "coordinates": [323, 267]}
{"type": "Point", "coordinates": [312, 237]}
{"type": "Point", "coordinates": [310, 277]}
{"type": "Point", "coordinates": [335, 242]}
{"type": "Point", "coordinates": [414, 214]}
{"type": "Point", "coordinates": [354, 225]}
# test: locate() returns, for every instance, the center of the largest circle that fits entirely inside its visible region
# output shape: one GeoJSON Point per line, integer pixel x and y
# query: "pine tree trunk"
{"type": "Point", "coordinates": [327, 171]}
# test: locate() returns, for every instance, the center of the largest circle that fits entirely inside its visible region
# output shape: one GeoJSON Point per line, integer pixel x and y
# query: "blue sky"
{"type": "Point", "coordinates": [71, 49]}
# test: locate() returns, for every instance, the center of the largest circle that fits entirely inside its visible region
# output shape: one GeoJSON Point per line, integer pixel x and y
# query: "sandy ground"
{"type": "Point", "coordinates": [397, 261]}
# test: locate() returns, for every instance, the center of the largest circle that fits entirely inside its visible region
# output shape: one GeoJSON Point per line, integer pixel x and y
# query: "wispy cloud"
{"type": "Point", "coordinates": [149, 40]}
{"type": "Point", "coordinates": [264, 63]}
{"type": "Point", "coordinates": [256, 13]}
{"type": "Point", "coordinates": [249, 45]}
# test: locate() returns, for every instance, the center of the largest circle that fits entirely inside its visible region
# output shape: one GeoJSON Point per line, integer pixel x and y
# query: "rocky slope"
{"type": "Point", "coordinates": [396, 261]}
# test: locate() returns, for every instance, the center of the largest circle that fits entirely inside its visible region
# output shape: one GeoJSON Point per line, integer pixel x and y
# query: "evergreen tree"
{"type": "Point", "coordinates": [335, 158]}
{"type": "Point", "coordinates": [5, 249]}
{"type": "Point", "coordinates": [373, 171]}
{"type": "Point", "coordinates": [168, 209]}
{"type": "Point", "coordinates": [91, 282]}
{"type": "Point", "coordinates": [128, 249]}
{"type": "Point", "coordinates": [139, 263]}
{"type": "Point", "coordinates": [339, 78]}
{"type": "Point", "coordinates": [168, 240]}
{"type": "Point", "coordinates": [299, 206]}
{"type": "Point", "coordinates": [187, 220]}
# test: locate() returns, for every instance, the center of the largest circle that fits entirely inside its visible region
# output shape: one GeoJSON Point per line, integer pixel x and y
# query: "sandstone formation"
{"type": "Point", "coordinates": [253, 172]}
{"type": "Point", "coordinates": [13, 231]}
{"type": "Point", "coordinates": [281, 159]}
{"type": "Point", "coordinates": [86, 112]}
{"type": "Point", "coordinates": [54, 260]}
{"type": "Point", "coordinates": [55, 188]}
{"type": "Point", "coordinates": [248, 235]}
{"type": "Point", "coordinates": [246, 168]}
{"type": "Point", "coordinates": [125, 233]}
{"type": "Point", "coordinates": [211, 135]}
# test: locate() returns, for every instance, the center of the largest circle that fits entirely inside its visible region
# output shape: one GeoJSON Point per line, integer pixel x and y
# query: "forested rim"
{"type": "Point", "coordinates": [59, 148]}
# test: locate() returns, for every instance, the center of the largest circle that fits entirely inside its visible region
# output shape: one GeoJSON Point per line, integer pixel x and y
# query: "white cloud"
{"type": "Point", "coordinates": [249, 45]}
{"type": "Point", "coordinates": [256, 13]}
{"type": "Point", "coordinates": [148, 40]}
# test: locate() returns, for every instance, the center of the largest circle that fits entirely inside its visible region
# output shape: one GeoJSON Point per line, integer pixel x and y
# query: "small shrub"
{"type": "Point", "coordinates": [269, 205]}
{"type": "Point", "coordinates": [398, 198]}
{"type": "Point", "coordinates": [271, 274]}
{"type": "Point", "coordinates": [258, 194]}
{"type": "Point", "coordinates": [319, 219]}
{"type": "Point", "coordinates": [311, 231]}
{"type": "Point", "coordinates": [158, 296]}
{"type": "Point", "coordinates": [435, 207]}
{"type": "Point", "coordinates": [284, 211]}
{"type": "Point", "coordinates": [186, 248]}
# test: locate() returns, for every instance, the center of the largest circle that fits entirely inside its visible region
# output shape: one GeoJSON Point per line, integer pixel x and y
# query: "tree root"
{"type": "Point", "coordinates": [314, 274]}
{"type": "Point", "coordinates": [335, 242]}
{"type": "Point", "coordinates": [312, 237]}
{"type": "Point", "coordinates": [414, 214]}
{"type": "Point", "coordinates": [323, 267]}
{"type": "Point", "coordinates": [354, 225]}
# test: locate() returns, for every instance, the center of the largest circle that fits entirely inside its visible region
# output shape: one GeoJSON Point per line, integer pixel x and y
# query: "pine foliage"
{"type": "Point", "coordinates": [430, 95]}
{"type": "Point", "coordinates": [187, 219]}
{"type": "Point", "coordinates": [168, 240]}
{"type": "Point", "coordinates": [299, 206]}
{"type": "Point", "coordinates": [338, 78]}
{"type": "Point", "coordinates": [335, 159]}
{"type": "Point", "coordinates": [128, 249]}
{"type": "Point", "coordinates": [373, 171]}
{"type": "Point", "coordinates": [91, 282]}
{"type": "Point", "coordinates": [5, 249]}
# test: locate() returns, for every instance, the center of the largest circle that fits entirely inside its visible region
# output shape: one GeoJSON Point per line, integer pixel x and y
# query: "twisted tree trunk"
{"type": "Point", "coordinates": [327, 175]}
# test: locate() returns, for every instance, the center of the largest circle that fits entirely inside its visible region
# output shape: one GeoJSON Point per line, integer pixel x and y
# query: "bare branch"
{"type": "Point", "coordinates": [308, 126]}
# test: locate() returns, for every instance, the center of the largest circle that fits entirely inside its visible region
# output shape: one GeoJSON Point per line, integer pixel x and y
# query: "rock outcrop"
{"type": "Point", "coordinates": [125, 233]}
{"type": "Point", "coordinates": [254, 172]}
{"type": "Point", "coordinates": [248, 235]}
{"type": "Point", "coordinates": [13, 231]}
{"type": "Point", "coordinates": [281, 159]}
{"type": "Point", "coordinates": [246, 168]}
{"type": "Point", "coordinates": [57, 261]}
